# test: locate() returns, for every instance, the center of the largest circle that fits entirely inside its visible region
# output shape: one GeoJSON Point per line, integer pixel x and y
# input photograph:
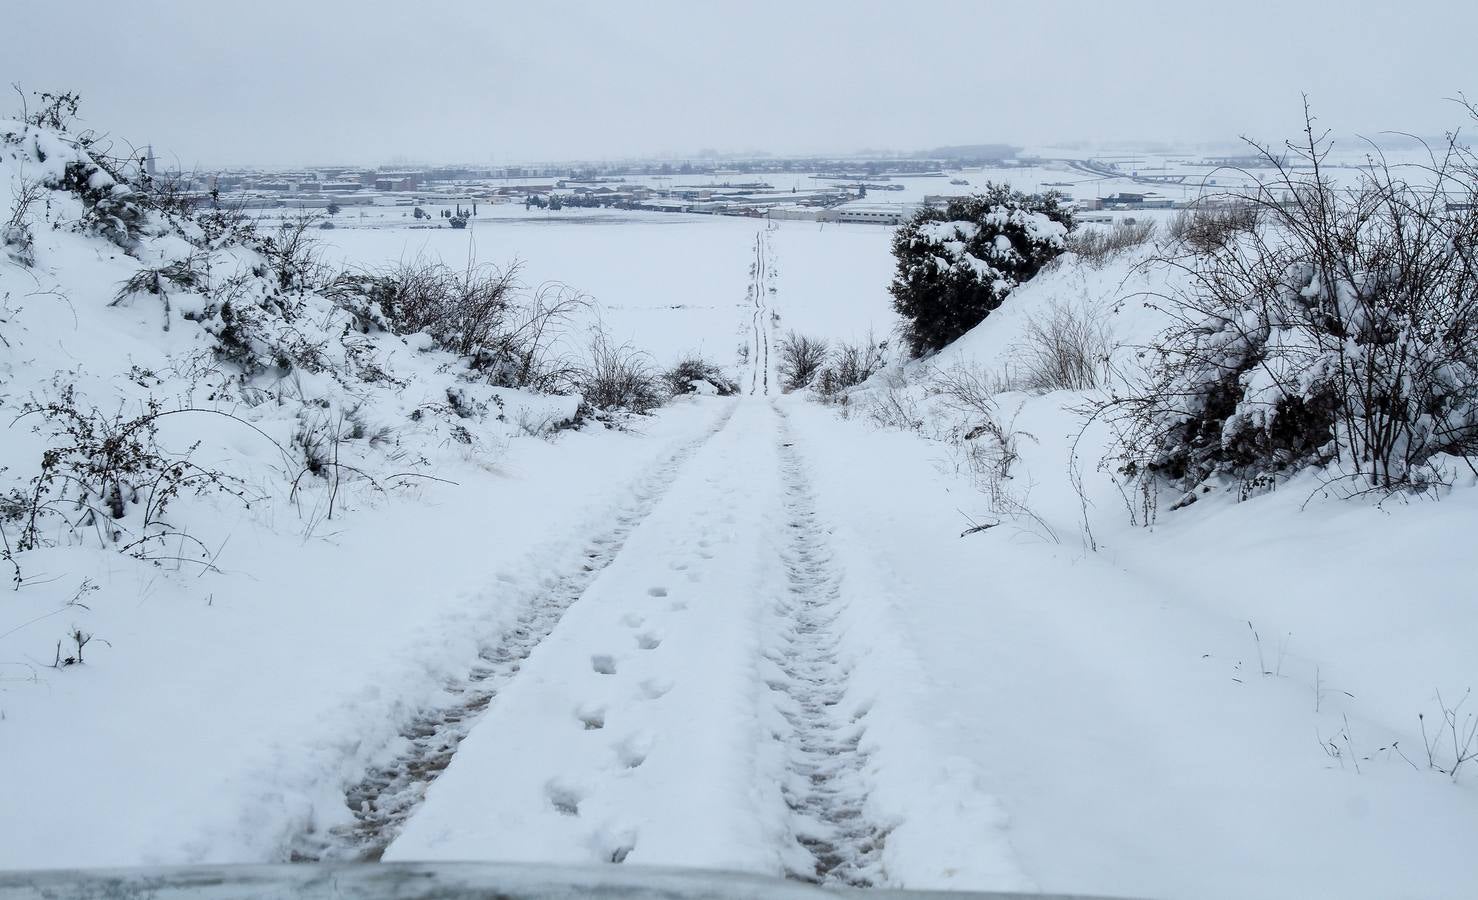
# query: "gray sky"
{"type": "Point", "coordinates": [316, 81]}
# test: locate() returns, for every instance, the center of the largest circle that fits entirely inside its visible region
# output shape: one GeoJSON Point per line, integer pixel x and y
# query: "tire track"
{"type": "Point", "coordinates": [390, 794]}
{"type": "Point", "coordinates": [766, 275]}
{"type": "Point", "coordinates": [760, 275]}
{"type": "Point", "coordinates": [825, 785]}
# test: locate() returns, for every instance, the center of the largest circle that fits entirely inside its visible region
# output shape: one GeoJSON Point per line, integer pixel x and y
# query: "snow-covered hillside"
{"type": "Point", "coordinates": [1231, 700]}
{"type": "Point", "coordinates": [304, 511]}
{"type": "Point", "coordinates": [871, 642]}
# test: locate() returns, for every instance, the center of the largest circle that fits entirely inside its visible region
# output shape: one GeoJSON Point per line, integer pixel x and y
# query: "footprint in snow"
{"type": "Point", "coordinates": [564, 797]}
{"type": "Point", "coordinates": [603, 664]}
{"type": "Point", "coordinates": [633, 751]}
{"type": "Point", "coordinates": [613, 844]}
{"type": "Point", "coordinates": [658, 591]}
{"type": "Point", "coordinates": [592, 717]}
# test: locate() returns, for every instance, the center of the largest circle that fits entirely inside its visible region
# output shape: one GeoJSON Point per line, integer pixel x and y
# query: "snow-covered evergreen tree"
{"type": "Point", "coordinates": [956, 265]}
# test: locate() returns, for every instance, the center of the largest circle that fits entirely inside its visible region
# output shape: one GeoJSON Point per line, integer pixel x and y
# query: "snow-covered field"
{"type": "Point", "coordinates": [668, 284]}
{"type": "Point", "coordinates": [745, 633]}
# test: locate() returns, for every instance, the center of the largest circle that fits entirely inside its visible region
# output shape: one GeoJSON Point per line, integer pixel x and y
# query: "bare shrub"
{"type": "Point", "coordinates": [801, 359]}
{"type": "Point", "coordinates": [320, 440]}
{"type": "Point", "coordinates": [535, 329]}
{"type": "Point", "coordinates": [1209, 226]}
{"type": "Point", "coordinates": [292, 253]}
{"type": "Point", "coordinates": [1453, 741]}
{"type": "Point", "coordinates": [1065, 348]}
{"type": "Point", "coordinates": [508, 334]}
{"type": "Point", "coordinates": [16, 236]}
{"type": "Point", "coordinates": [968, 392]}
{"type": "Point", "coordinates": [990, 442]}
{"type": "Point", "coordinates": [618, 378]}
{"type": "Point", "coordinates": [893, 405]}
{"type": "Point", "coordinates": [851, 365]}
{"type": "Point", "coordinates": [169, 192]}
{"type": "Point", "coordinates": [1098, 245]}
{"type": "Point", "coordinates": [470, 319]}
{"type": "Point", "coordinates": [693, 369]}
{"type": "Point", "coordinates": [56, 111]}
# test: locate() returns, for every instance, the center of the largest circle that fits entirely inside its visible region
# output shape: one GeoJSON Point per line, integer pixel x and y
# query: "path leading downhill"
{"type": "Point", "coordinates": [691, 705]}
{"type": "Point", "coordinates": [762, 288]}
{"type": "Point", "coordinates": [826, 784]}
{"type": "Point", "coordinates": [388, 795]}
{"type": "Point", "coordinates": [717, 684]}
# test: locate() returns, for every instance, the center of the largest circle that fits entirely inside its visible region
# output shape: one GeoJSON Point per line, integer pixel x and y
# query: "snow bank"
{"type": "Point", "coordinates": [1223, 704]}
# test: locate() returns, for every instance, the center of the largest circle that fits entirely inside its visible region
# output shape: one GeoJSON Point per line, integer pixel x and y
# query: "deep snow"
{"type": "Point", "coordinates": [1222, 705]}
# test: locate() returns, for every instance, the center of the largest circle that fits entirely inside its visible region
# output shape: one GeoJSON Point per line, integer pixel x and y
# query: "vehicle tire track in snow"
{"type": "Point", "coordinates": [760, 275]}
{"type": "Point", "coordinates": [388, 795]}
{"type": "Point", "coordinates": [754, 319]}
{"type": "Point", "coordinates": [825, 784]}
{"type": "Point", "coordinates": [768, 275]}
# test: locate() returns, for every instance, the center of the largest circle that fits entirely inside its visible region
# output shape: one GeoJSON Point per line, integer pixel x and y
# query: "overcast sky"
{"type": "Point", "coordinates": [364, 81]}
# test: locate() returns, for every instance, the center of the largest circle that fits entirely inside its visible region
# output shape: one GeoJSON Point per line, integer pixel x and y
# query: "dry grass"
{"type": "Point", "coordinates": [1097, 245]}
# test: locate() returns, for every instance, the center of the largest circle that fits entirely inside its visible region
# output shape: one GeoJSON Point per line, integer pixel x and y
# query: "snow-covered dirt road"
{"type": "Point", "coordinates": [762, 286]}
{"type": "Point", "coordinates": [389, 794]}
{"type": "Point", "coordinates": [707, 685]}
{"type": "Point", "coordinates": [707, 699]}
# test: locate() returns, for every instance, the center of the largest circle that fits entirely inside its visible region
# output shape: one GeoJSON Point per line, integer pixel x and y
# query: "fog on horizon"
{"type": "Point", "coordinates": [273, 83]}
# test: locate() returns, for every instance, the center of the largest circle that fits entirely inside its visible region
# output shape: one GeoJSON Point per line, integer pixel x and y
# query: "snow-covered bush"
{"type": "Point", "coordinates": [801, 359]}
{"type": "Point", "coordinates": [464, 312]}
{"type": "Point", "coordinates": [507, 334]}
{"type": "Point", "coordinates": [1343, 331]}
{"type": "Point", "coordinates": [328, 379]}
{"type": "Point", "coordinates": [694, 372]}
{"type": "Point", "coordinates": [955, 266]}
{"type": "Point", "coordinates": [108, 475]}
{"type": "Point", "coordinates": [41, 156]}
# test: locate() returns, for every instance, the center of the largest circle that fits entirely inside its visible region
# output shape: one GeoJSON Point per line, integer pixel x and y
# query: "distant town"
{"type": "Point", "coordinates": [883, 191]}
